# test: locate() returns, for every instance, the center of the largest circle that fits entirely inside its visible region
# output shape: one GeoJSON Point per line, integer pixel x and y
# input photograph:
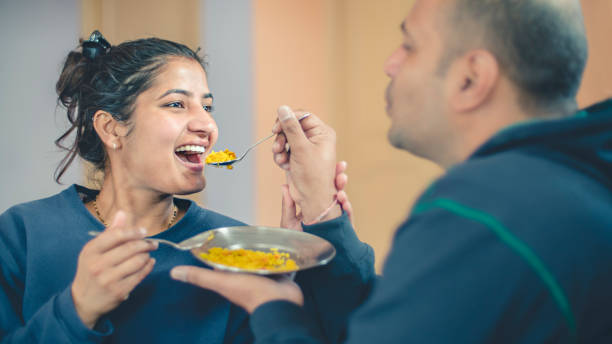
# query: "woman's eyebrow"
{"type": "Point", "coordinates": [184, 92]}
{"type": "Point", "coordinates": [175, 90]}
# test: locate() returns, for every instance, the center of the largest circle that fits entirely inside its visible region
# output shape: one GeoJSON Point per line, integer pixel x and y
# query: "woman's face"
{"type": "Point", "coordinates": [171, 131]}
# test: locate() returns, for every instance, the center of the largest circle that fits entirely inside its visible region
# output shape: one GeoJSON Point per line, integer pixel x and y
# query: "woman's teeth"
{"type": "Point", "coordinates": [190, 153]}
{"type": "Point", "coordinates": [191, 149]}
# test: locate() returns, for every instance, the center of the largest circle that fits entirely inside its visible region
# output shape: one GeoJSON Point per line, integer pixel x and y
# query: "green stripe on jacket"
{"type": "Point", "coordinates": [514, 243]}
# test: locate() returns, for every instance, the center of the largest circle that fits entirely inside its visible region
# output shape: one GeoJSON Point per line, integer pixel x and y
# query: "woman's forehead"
{"type": "Point", "coordinates": [181, 73]}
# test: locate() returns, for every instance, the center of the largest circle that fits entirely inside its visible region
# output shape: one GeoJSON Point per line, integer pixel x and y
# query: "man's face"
{"type": "Point", "coordinates": [415, 96]}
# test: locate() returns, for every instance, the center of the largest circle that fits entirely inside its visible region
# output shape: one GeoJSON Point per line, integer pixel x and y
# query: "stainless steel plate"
{"type": "Point", "coordinates": [305, 249]}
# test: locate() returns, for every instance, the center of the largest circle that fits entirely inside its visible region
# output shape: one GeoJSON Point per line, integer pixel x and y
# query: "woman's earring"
{"type": "Point", "coordinates": [114, 146]}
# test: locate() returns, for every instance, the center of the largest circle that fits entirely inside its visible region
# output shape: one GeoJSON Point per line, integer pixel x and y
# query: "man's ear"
{"type": "Point", "coordinates": [476, 76]}
{"type": "Point", "coordinates": [108, 129]}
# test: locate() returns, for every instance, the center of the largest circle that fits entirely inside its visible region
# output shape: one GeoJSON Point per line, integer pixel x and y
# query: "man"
{"type": "Point", "coordinates": [514, 243]}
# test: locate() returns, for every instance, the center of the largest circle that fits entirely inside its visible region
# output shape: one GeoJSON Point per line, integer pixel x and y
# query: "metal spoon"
{"type": "Point", "coordinates": [185, 245]}
{"type": "Point", "coordinates": [231, 162]}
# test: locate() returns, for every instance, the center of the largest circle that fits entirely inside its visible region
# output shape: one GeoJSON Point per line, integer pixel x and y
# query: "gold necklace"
{"type": "Point", "coordinates": [95, 206]}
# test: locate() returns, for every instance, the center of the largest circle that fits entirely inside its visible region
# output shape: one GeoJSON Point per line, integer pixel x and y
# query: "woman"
{"type": "Point", "coordinates": [141, 113]}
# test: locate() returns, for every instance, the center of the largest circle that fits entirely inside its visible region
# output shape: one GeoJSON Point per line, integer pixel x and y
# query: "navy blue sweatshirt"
{"type": "Point", "coordinates": [39, 245]}
{"type": "Point", "coordinates": [512, 246]}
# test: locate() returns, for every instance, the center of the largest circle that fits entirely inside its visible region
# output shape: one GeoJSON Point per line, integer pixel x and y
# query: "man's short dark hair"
{"type": "Point", "coordinates": [540, 45]}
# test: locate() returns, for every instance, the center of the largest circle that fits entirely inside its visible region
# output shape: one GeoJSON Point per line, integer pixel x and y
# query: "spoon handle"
{"type": "Point", "coordinates": [270, 136]}
{"type": "Point", "coordinates": [255, 145]}
{"type": "Point", "coordinates": [161, 241]}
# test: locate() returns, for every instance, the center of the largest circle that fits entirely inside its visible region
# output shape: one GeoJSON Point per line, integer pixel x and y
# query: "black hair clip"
{"type": "Point", "coordinates": [95, 46]}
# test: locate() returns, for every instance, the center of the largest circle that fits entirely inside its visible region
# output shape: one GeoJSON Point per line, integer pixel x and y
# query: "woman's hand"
{"type": "Point", "coordinates": [109, 268]}
{"type": "Point", "coordinates": [341, 181]}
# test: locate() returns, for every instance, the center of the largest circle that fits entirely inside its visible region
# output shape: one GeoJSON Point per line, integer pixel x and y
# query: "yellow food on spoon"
{"type": "Point", "coordinates": [250, 259]}
{"type": "Point", "coordinates": [221, 156]}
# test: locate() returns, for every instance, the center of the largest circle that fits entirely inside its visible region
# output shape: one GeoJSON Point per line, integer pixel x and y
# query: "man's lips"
{"type": "Point", "coordinates": [388, 96]}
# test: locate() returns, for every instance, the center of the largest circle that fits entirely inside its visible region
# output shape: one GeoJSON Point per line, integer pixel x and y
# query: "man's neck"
{"type": "Point", "coordinates": [480, 127]}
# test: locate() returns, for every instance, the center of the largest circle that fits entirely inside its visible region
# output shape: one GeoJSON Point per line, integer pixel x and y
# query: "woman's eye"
{"type": "Point", "coordinates": [175, 105]}
{"type": "Point", "coordinates": [209, 108]}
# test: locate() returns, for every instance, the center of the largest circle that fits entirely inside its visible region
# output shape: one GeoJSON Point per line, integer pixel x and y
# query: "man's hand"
{"type": "Point", "coordinates": [244, 290]}
{"type": "Point", "coordinates": [310, 162]}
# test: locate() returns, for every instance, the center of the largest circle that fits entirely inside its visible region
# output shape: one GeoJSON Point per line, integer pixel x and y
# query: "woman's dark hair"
{"type": "Point", "coordinates": [107, 78]}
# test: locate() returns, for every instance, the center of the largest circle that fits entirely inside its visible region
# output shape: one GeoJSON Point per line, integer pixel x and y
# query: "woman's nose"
{"type": "Point", "coordinates": [202, 122]}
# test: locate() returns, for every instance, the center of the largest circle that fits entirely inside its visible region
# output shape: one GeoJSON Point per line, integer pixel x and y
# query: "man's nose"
{"type": "Point", "coordinates": [393, 62]}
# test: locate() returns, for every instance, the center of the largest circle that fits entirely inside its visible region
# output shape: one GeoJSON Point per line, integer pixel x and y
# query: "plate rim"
{"type": "Point", "coordinates": [260, 271]}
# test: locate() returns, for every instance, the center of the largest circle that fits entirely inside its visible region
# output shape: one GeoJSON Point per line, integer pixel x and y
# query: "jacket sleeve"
{"type": "Point", "coordinates": [282, 322]}
{"type": "Point", "coordinates": [447, 279]}
{"type": "Point", "coordinates": [333, 291]}
{"type": "Point", "coordinates": [56, 321]}
{"type": "Point", "coordinates": [238, 330]}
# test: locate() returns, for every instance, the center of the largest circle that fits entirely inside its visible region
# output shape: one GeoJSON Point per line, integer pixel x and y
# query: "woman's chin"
{"type": "Point", "coordinates": [194, 187]}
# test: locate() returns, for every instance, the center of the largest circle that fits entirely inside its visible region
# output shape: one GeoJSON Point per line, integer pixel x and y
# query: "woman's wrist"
{"type": "Point", "coordinates": [87, 319]}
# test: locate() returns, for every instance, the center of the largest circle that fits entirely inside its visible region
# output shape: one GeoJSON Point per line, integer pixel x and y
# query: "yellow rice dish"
{"type": "Point", "coordinates": [221, 156]}
{"type": "Point", "coordinates": [250, 259]}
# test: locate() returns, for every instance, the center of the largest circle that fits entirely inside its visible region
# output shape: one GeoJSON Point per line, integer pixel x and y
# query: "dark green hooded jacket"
{"type": "Point", "coordinates": [513, 245]}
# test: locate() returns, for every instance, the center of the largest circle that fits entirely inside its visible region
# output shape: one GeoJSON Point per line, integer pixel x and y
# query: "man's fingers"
{"type": "Point", "coordinates": [276, 128]}
{"type": "Point", "coordinates": [279, 144]}
{"type": "Point", "coordinates": [298, 127]}
{"type": "Point", "coordinates": [203, 278]}
{"type": "Point", "coordinates": [281, 158]}
{"type": "Point", "coordinates": [308, 121]}
{"type": "Point", "coordinates": [230, 285]}
{"type": "Point", "coordinates": [291, 127]}
{"type": "Point", "coordinates": [247, 291]}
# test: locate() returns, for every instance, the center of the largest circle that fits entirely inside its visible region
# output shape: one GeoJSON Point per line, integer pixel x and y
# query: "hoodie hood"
{"type": "Point", "coordinates": [582, 141]}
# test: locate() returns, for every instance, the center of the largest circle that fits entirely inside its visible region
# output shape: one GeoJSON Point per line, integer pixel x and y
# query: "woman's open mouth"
{"type": "Point", "coordinates": [191, 154]}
